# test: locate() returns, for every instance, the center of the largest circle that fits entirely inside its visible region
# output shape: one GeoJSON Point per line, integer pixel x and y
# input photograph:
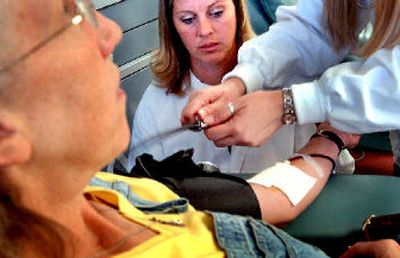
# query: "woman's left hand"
{"type": "Point", "coordinates": [210, 105]}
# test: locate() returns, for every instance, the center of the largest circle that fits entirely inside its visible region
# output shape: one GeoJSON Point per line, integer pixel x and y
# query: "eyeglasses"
{"type": "Point", "coordinates": [84, 10]}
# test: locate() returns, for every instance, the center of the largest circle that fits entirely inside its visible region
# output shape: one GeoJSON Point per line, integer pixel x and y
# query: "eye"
{"type": "Point", "coordinates": [216, 13]}
{"type": "Point", "coordinates": [188, 19]}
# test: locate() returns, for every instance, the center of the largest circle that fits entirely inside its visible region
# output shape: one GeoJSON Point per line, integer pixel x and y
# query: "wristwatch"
{"type": "Point", "coordinates": [289, 114]}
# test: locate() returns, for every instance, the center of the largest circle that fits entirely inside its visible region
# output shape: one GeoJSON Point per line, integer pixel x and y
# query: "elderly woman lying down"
{"type": "Point", "coordinates": [59, 101]}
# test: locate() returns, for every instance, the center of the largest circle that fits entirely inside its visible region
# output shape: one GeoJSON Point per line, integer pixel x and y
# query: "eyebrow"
{"type": "Point", "coordinates": [210, 5]}
{"type": "Point", "coordinates": [216, 2]}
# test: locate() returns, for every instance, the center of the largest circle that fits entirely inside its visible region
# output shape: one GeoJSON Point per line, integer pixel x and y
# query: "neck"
{"type": "Point", "coordinates": [51, 188]}
{"type": "Point", "coordinates": [114, 232]}
{"type": "Point", "coordinates": [55, 195]}
{"type": "Point", "coordinates": [212, 73]}
{"type": "Point", "coordinates": [92, 229]}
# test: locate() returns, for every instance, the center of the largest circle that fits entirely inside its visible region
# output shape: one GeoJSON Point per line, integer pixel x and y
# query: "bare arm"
{"type": "Point", "coordinates": [275, 205]}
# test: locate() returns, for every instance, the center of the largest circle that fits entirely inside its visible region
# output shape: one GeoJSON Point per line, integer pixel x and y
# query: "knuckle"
{"type": "Point", "coordinates": [391, 243]}
{"type": "Point", "coordinates": [193, 95]}
{"type": "Point", "coordinates": [208, 134]}
{"type": "Point", "coordinates": [235, 130]}
{"type": "Point", "coordinates": [218, 144]}
{"type": "Point", "coordinates": [253, 143]}
{"type": "Point", "coordinates": [209, 109]}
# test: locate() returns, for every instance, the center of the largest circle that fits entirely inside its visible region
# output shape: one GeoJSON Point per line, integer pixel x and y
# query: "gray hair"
{"type": "Point", "coordinates": [8, 45]}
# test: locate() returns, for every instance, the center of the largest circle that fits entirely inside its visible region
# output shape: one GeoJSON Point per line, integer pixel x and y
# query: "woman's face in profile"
{"type": "Point", "coordinates": [207, 29]}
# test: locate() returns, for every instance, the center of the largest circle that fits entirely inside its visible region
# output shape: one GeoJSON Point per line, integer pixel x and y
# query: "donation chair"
{"type": "Point", "coordinates": [334, 220]}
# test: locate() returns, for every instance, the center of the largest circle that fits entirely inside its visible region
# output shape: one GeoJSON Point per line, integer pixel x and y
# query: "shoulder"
{"type": "Point", "coordinates": [154, 91]}
{"type": "Point", "coordinates": [156, 106]}
{"type": "Point", "coordinates": [152, 97]}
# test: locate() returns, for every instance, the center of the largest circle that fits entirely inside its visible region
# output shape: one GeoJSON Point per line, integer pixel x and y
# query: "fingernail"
{"type": "Point", "coordinates": [209, 120]}
{"type": "Point", "coordinates": [205, 117]}
{"type": "Point", "coordinates": [202, 114]}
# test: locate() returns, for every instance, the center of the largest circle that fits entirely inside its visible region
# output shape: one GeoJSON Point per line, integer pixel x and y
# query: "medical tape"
{"type": "Point", "coordinates": [307, 158]}
{"type": "Point", "coordinates": [292, 181]}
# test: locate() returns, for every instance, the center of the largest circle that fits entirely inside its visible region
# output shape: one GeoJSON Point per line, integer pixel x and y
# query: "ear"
{"type": "Point", "coordinates": [15, 148]}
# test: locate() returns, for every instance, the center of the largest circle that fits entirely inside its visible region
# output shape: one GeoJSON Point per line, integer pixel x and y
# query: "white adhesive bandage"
{"type": "Point", "coordinates": [293, 182]}
{"type": "Point", "coordinates": [307, 158]}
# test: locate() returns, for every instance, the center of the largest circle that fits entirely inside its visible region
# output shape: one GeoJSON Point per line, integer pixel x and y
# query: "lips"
{"type": "Point", "coordinates": [209, 47]}
{"type": "Point", "coordinates": [121, 93]}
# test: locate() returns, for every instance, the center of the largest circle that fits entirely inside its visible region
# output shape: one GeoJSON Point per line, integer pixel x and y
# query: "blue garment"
{"type": "Point", "coordinates": [175, 206]}
{"type": "Point", "coordinates": [242, 237]}
{"type": "Point", "coordinates": [262, 14]}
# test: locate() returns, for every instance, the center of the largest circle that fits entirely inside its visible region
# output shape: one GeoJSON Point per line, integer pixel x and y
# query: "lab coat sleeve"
{"type": "Point", "coordinates": [296, 49]}
{"type": "Point", "coordinates": [359, 96]}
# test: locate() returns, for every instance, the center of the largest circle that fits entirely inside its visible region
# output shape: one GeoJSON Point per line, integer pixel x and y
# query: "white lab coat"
{"type": "Point", "coordinates": [158, 112]}
{"type": "Point", "coordinates": [358, 96]}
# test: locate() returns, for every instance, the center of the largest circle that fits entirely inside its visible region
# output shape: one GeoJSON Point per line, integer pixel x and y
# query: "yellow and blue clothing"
{"type": "Point", "coordinates": [185, 232]}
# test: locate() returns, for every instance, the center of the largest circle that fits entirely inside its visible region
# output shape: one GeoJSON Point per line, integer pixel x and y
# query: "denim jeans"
{"type": "Point", "coordinates": [242, 237]}
{"type": "Point", "coordinates": [175, 206]}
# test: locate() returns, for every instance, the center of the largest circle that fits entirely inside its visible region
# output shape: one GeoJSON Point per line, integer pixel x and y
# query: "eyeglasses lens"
{"type": "Point", "coordinates": [88, 10]}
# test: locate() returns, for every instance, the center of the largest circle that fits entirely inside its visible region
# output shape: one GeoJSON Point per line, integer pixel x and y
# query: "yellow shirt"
{"type": "Point", "coordinates": [189, 234]}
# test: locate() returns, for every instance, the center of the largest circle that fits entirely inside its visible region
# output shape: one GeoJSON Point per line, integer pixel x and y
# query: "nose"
{"type": "Point", "coordinates": [110, 35]}
{"type": "Point", "coordinates": [205, 27]}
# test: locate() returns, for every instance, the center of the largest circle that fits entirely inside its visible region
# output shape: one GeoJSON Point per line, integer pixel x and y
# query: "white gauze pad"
{"type": "Point", "coordinates": [293, 182]}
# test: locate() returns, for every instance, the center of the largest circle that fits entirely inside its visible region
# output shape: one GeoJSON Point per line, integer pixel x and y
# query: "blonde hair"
{"type": "Point", "coordinates": [171, 62]}
{"type": "Point", "coordinates": [342, 21]}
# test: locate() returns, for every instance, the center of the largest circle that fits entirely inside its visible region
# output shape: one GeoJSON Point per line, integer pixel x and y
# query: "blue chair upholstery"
{"type": "Point", "coordinates": [334, 220]}
{"type": "Point", "coordinates": [262, 14]}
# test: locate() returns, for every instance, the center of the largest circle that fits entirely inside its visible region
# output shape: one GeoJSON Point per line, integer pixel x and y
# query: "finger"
{"type": "Point", "coordinates": [381, 248]}
{"type": "Point", "coordinates": [233, 139]}
{"type": "Point", "coordinates": [220, 131]}
{"type": "Point", "coordinates": [226, 134]}
{"type": "Point", "coordinates": [228, 141]}
{"type": "Point", "coordinates": [360, 248]}
{"type": "Point", "coordinates": [191, 109]}
{"type": "Point", "coordinates": [217, 112]}
{"type": "Point", "coordinates": [354, 140]}
{"type": "Point", "coordinates": [197, 100]}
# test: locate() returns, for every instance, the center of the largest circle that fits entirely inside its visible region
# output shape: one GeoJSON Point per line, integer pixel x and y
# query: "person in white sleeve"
{"type": "Point", "coordinates": [304, 51]}
{"type": "Point", "coordinates": [198, 46]}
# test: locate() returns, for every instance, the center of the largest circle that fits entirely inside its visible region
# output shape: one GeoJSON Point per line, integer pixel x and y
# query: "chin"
{"type": "Point", "coordinates": [125, 137]}
{"type": "Point", "coordinates": [119, 144]}
{"type": "Point", "coordinates": [214, 59]}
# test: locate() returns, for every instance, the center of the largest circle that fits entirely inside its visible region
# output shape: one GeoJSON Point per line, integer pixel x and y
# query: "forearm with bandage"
{"type": "Point", "coordinates": [287, 188]}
